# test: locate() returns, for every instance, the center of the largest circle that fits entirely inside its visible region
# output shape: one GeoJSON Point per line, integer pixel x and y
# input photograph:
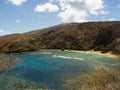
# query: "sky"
{"type": "Point", "coordinates": [19, 16]}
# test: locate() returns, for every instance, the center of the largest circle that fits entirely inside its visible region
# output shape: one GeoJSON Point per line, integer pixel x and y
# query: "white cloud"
{"type": "Point", "coordinates": [47, 7]}
{"type": "Point", "coordinates": [3, 32]}
{"type": "Point", "coordinates": [71, 15]}
{"type": "Point", "coordinates": [18, 21]}
{"type": "Point", "coordinates": [103, 12]}
{"type": "Point", "coordinates": [79, 10]}
{"type": "Point", "coordinates": [74, 10]}
{"type": "Point", "coordinates": [17, 2]}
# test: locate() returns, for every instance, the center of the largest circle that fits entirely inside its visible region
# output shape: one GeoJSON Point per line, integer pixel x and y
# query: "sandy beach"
{"type": "Point", "coordinates": [109, 54]}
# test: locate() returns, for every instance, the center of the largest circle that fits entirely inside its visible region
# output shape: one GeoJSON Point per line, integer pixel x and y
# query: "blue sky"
{"type": "Point", "coordinates": [18, 16]}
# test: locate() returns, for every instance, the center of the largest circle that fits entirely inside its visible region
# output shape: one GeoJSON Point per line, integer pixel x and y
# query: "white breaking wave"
{"type": "Point", "coordinates": [68, 57]}
{"type": "Point", "coordinates": [46, 53]}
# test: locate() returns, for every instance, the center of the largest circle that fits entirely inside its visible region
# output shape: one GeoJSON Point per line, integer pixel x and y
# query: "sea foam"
{"type": "Point", "coordinates": [46, 53]}
{"type": "Point", "coordinates": [68, 57]}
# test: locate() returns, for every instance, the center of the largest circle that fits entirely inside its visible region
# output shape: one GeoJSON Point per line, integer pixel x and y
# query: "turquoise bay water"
{"type": "Point", "coordinates": [52, 68]}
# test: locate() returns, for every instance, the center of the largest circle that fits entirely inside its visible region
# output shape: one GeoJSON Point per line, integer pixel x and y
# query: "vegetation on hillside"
{"type": "Point", "coordinates": [101, 79]}
{"type": "Point", "coordinates": [100, 36]}
{"type": "Point", "coordinates": [6, 62]}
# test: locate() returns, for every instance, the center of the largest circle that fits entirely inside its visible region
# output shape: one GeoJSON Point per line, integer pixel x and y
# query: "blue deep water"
{"type": "Point", "coordinates": [53, 67]}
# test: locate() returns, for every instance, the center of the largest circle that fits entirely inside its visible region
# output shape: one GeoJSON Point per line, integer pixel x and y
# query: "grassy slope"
{"type": "Point", "coordinates": [6, 63]}
{"type": "Point", "coordinates": [97, 80]}
{"type": "Point", "coordinates": [103, 36]}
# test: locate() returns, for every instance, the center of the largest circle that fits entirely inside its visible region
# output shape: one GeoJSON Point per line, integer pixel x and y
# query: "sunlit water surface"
{"type": "Point", "coordinates": [53, 67]}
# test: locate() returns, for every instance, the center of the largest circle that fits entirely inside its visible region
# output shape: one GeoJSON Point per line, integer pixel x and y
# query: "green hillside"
{"type": "Point", "coordinates": [102, 36]}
